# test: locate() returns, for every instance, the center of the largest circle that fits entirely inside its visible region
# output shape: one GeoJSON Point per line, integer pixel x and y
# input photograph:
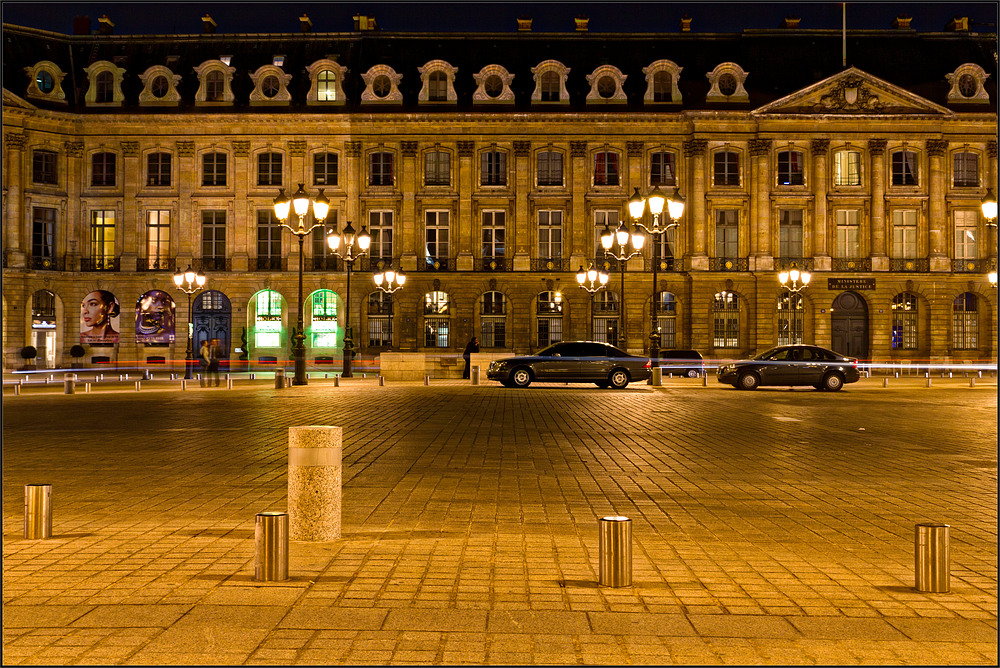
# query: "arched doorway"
{"type": "Point", "coordinates": [212, 320]}
{"type": "Point", "coordinates": [849, 325]}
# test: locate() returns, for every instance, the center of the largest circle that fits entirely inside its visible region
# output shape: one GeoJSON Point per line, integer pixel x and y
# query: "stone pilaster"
{"type": "Point", "coordinates": [581, 246]}
{"type": "Point", "coordinates": [188, 218]}
{"type": "Point", "coordinates": [760, 213]}
{"type": "Point", "coordinates": [14, 220]}
{"type": "Point", "coordinates": [937, 214]}
{"type": "Point", "coordinates": [240, 237]}
{"type": "Point", "coordinates": [518, 226]}
{"type": "Point", "coordinates": [356, 179]}
{"type": "Point", "coordinates": [75, 225]}
{"type": "Point", "coordinates": [821, 256]}
{"type": "Point", "coordinates": [132, 223]}
{"type": "Point", "coordinates": [466, 181]}
{"type": "Point", "coordinates": [880, 261]}
{"type": "Point", "coordinates": [406, 227]}
{"type": "Point", "coordinates": [695, 151]}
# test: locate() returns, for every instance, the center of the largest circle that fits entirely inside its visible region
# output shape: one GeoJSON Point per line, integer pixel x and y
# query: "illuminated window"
{"type": "Point", "coordinates": [666, 320]}
{"type": "Point", "coordinates": [324, 319]}
{"type": "Point", "coordinates": [904, 321]}
{"type": "Point", "coordinates": [965, 330]}
{"type": "Point", "coordinates": [790, 319]}
{"type": "Point", "coordinates": [267, 319]}
{"type": "Point", "coordinates": [726, 312]}
{"type": "Point", "coordinates": [493, 320]}
{"type": "Point", "coordinates": [604, 304]}
{"type": "Point", "coordinates": [549, 317]}
{"type": "Point", "coordinates": [436, 321]}
{"type": "Point", "coordinates": [102, 239]}
{"type": "Point", "coordinates": [549, 234]}
{"type": "Point", "coordinates": [847, 168]}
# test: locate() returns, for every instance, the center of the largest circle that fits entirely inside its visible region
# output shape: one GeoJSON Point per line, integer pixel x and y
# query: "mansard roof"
{"type": "Point", "coordinates": [779, 62]}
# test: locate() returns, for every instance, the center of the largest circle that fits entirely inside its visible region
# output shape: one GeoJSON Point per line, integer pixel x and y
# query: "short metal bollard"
{"type": "Point", "coordinates": [657, 379]}
{"type": "Point", "coordinates": [271, 543]}
{"type": "Point", "coordinates": [184, 384]}
{"type": "Point", "coordinates": [315, 478]}
{"type": "Point", "coordinates": [932, 547]}
{"type": "Point", "coordinates": [475, 375]}
{"type": "Point", "coordinates": [252, 376]}
{"type": "Point", "coordinates": [37, 511]}
{"type": "Point", "coordinates": [17, 390]}
{"type": "Point", "coordinates": [173, 376]}
{"type": "Point", "coordinates": [427, 380]}
{"type": "Point", "coordinates": [704, 380]}
{"type": "Point", "coordinates": [138, 385]}
{"type": "Point", "coordinates": [69, 383]}
{"type": "Point", "coordinates": [885, 382]}
{"type": "Point", "coordinates": [381, 381]}
{"type": "Point", "coordinates": [86, 388]}
{"type": "Point", "coordinates": [229, 383]}
{"type": "Point", "coordinates": [336, 381]}
{"type": "Point", "coordinates": [615, 548]}
{"type": "Point", "coordinates": [279, 379]}
{"type": "Point", "coordinates": [928, 382]}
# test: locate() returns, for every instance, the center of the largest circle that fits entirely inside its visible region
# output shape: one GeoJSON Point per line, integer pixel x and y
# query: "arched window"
{"type": "Point", "coordinates": [323, 329]}
{"type": "Point", "coordinates": [904, 321]}
{"type": "Point", "coordinates": [549, 83]}
{"type": "Point", "coordinates": [326, 86]}
{"type": "Point", "coordinates": [965, 322]}
{"type": "Point", "coordinates": [790, 318]}
{"type": "Point", "coordinates": [437, 87]}
{"type": "Point", "coordinates": [379, 319]}
{"type": "Point", "coordinates": [267, 319]}
{"type": "Point", "coordinates": [214, 86]}
{"type": "Point", "coordinates": [549, 312]}
{"type": "Point", "coordinates": [44, 326]}
{"type": "Point", "coordinates": [493, 320]}
{"type": "Point", "coordinates": [726, 316]}
{"type": "Point", "coordinates": [105, 87]}
{"type": "Point", "coordinates": [436, 319]}
{"type": "Point", "coordinates": [666, 320]}
{"type": "Point", "coordinates": [605, 313]}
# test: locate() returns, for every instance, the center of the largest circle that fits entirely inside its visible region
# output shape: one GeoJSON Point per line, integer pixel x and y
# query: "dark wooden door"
{"type": "Point", "coordinates": [849, 325]}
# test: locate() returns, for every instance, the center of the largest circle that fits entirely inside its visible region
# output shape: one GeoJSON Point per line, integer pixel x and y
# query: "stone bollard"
{"type": "Point", "coordinates": [69, 383]}
{"type": "Point", "coordinates": [37, 511]}
{"type": "Point", "coordinates": [315, 475]}
{"type": "Point", "coordinates": [885, 382]}
{"type": "Point", "coordinates": [474, 375]}
{"type": "Point", "coordinates": [932, 556]}
{"type": "Point", "coordinates": [657, 378]}
{"type": "Point", "coordinates": [615, 549]}
{"type": "Point", "coordinates": [279, 379]}
{"type": "Point", "coordinates": [271, 547]}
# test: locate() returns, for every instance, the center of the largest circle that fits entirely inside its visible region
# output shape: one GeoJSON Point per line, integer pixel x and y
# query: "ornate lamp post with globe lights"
{"type": "Point", "coordinates": [592, 280]}
{"type": "Point", "coordinates": [189, 282]}
{"type": "Point", "coordinates": [623, 238]}
{"type": "Point", "coordinates": [989, 207]}
{"type": "Point", "coordinates": [790, 281]}
{"type": "Point", "coordinates": [355, 246]}
{"type": "Point", "coordinates": [389, 281]}
{"type": "Point", "coordinates": [300, 204]}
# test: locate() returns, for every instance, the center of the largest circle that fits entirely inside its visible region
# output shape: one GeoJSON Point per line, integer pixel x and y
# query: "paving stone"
{"type": "Point", "coordinates": [334, 618]}
{"type": "Point", "coordinates": [130, 616]}
{"type": "Point", "coordinates": [742, 626]}
{"type": "Point", "coordinates": [39, 616]}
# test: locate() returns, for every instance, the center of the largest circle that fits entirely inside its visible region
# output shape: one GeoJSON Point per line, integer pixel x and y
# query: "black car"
{"type": "Point", "coordinates": [792, 365]}
{"type": "Point", "coordinates": [688, 363]}
{"type": "Point", "coordinates": [572, 362]}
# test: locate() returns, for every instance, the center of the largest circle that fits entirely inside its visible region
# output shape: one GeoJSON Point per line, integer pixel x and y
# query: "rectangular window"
{"type": "Point", "coordinates": [790, 168]}
{"type": "Point", "coordinates": [726, 233]}
{"type": "Point", "coordinates": [662, 169]}
{"type": "Point", "coordinates": [493, 168]}
{"type": "Point", "coordinates": [904, 234]}
{"type": "Point", "coordinates": [158, 169]}
{"type": "Point", "coordinates": [726, 326]}
{"type": "Point", "coordinates": [603, 220]}
{"type": "Point", "coordinates": [381, 173]}
{"type": "Point", "coordinates": [666, 321]}
{"type": "Point", "coordinates": [158, 239]}
{"type": "Point", "coordinates": [494, 334]}
{"type": "Point", "coordinates": [325, 169]}
{"type": "Point", "coordinates": [847, 168]}
{"type": "Point", "coordinates": [904, 168]}
{"type": "Point", "coordinates": [213, 239]}
{"type": "Point", "coordinates": [550, 168]}
{"type": "Point", "coordinates": [966, 228]}
{"type": "Point", "coordinates": [727, 168]}
{"type": "Point", "coordinates": [965, 322]}
{"type": "Point", "coordinates": [324, 319]}
{"type": "Point", "coordinates": [436, 231]}
{"type": "Point", "coordinates": [103, 169]}
{"type": "Point", "coordinates": [436, 333]}
{"type": "Point", "coordinates": [437, 168]}
{"type": "Point", "coordinates": [549, 330]}
{"type": "Point", "coordinates": [321, 252]}
{"type": "Point", "coordinates": [606, 168]}
{"type": "Point", "coordinates": [269, 169]}
{"type": "Point", "coordinates": [268, 240]}
{"type": "Point", "coordinates": [966, 170]}
{"type": "Point", "coordinates": [904, 322]}
{"type": "Point", "coordinates": [379, 319]}
{"type": "Point", "coordinates": [549, 234]}
{"type": "Point", "coordinates": [213, 169]}
{"type": "Point", "coordinates": [43, 236]}
{"type": "Point", "coordinates": [848, 234]}
{"type": "Point", "coordinates": [494, 234]}
{"type": "Point", "coordinates": [102, 239]}
{"type": "Point", "coordinates": [267, 323]}
{"type": "Point", "coordinates": [43, 168]}
{"type": "Point", "coordinates": [380, 229]}
{"type": "Point", "coordinates": [790, 233]}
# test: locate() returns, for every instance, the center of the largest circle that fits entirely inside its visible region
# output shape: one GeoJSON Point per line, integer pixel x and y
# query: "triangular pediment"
{"type": "Point", "coordinates": [11, 101]}
{"type": "Point", "coordinates": [854, 92]}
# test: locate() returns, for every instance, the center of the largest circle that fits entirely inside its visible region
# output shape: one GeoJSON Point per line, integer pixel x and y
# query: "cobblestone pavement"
{"type": "Point", "coordinates": [770, 527]}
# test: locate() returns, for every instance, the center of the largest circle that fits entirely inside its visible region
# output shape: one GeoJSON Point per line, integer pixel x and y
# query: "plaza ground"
{"type": "Point", "coordinates": [770, 527]}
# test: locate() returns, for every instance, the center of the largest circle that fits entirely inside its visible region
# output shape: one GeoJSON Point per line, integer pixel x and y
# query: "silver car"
{"type": "Point", "coordinates": [572, 362]}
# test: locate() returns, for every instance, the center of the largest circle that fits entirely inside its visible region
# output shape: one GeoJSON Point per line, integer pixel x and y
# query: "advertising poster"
{"type": "Point", "coordinates": [154, 318]}
{"type": "Point", "coordinates": [99, 319]}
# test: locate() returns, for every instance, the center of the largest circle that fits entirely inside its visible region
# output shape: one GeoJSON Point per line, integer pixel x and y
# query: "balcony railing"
{"type": "Point", "coordinates": [728, 264]}
{"type": "Point", "coordinates": [904, 264]}
{"type": "Point", "coordinates": [669, 264]}
{"type": "Point", "coordinates": [330, 263]}
{"type": "Point", "coordinates": [155, 264]}
{"type": "Point", "coordinates": [270, 264]}
{"type": "Point", "coordinates": [46, 263]}
{"type": "Point", "coordinates": [549, 264]}
{"type": "Point", "coordinates": [99, 264]}
{"type": "Point", "coordinates": [434, 264]}
{"type": "Point", "coordinates": [852, 264]}
{"type": "Point", "coordinates": [801, 263]}
{"type": "Point", "coordinates": [212, 264]}
{"type": "Point", "coordinates": [492, 263]}
{"type": "Point", "coordinates": [970, 266]}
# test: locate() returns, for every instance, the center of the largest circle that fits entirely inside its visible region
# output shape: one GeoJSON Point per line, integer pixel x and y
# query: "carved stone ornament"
{"type": "Point", "coordinates": [877, 146]}
{"type": "Point", "coordinates": [850, 94]}
{"type": "Point", "coordinates": [185, 149]}
{"type": "Point", "coordinates": [74, 149]}
{"type": "Point", "coordinates": [695, 147]}
{"type": "Point", "coordinates": [819, 146]}
{"type": "Point", "coordinates": [130, 149]}
{"type": "Point", "coordinates": [241, 148]}
{"type": "Point", "coordinates": [466, 148]}
{"type": "Point", "coordinates": [15, 140]}
{"type": "Point", "coordinates": [937, 147]}
{"type": "Point", "coordinates": [760, 146]}
{"type": "Point", "coordinates": [634, 148]}
{"type": "Point", "coordinates": [578, 149]}
{"type": "Point", "coordinates": [522, 148]}
{"type": "Point", "coordinates": [408, 148]}
{"type": "Point", "coordinates": [353, 149]}
{"type": "Point", "coordinates": [991, 149]}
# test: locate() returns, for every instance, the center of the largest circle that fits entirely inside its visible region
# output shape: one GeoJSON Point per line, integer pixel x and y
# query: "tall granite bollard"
{"type": "Point", "coordinates": [315, 477]}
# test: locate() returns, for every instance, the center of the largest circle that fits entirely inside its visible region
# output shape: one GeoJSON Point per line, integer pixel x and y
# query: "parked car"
{"type": "Point", "coordinates": [572, 362]}
{"type": "Point", "coordinates": [688, 363]}
{"type": "Point", "coordinates": [792, 365]}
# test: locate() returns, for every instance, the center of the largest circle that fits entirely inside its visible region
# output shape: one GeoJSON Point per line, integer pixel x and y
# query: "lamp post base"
{"type": "Point", "coordinates": [299, 352]}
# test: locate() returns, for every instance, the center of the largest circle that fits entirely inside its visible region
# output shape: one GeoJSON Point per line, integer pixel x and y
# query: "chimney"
{"type": "Point", "coordinates": [791, 21]}
{"type": "Point", "coordinates": [363, 23]}
{"type": "Point", "coordinates": [685, 23]}
{"type": "Point", "coordinates": [523, 23]}
{"type": "Point", "coordinates": [208, 24]}
{"type": "Point", "coordinates": [581, 23]}
{"type": "Point", "coordinates": [105, 27]}
{"type": "Point", "coordinates": [306, 23]}
{"type": "Point", "coordinates": [81, 25]}
{"type": "Point", "coordinates": [901, 22]}
{"type": "Point", "coordinates": [958, 24]}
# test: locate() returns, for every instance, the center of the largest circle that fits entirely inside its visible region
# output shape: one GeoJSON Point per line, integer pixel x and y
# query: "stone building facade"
{"type": "Point", "coordinates": [485, 166]}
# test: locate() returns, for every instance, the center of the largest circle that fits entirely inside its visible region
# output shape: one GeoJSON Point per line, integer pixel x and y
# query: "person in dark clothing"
{"type": "Point", "coordinates": [473, 347]}
{"type": "Point", "coordinates": [215, 357]}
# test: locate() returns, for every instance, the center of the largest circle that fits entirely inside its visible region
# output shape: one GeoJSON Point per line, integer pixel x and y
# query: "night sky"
{"type": "Point", "coordinates": [250, 17]}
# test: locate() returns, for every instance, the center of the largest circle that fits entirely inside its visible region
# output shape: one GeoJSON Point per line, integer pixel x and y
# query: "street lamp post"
{"type": "Point", "coordinates": [989, 208]}
{"type": "Point", "coordinates": [389, 281]}
{"type": "Point", "coordinates": [675, 209]}
{"type": "Point", "coordinates": [349, 255]}
{"type": "Point", "coordinates": [623, 238]}
{"type": "Point", "coordinates": [592, 280]}
{"type": "Point", "coordinates": [189, 282]}
{"type": "Point", "coordinates": [790, 281]}
{"type": "Point", "coordinates": [300, 204]}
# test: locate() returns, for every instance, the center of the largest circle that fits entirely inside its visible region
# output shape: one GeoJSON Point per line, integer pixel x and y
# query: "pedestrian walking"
{"type": "Point", "coordinates": [472, 347]}
{"type": "Point", "coordinates": [204, 361]}
{"type": "Point", "coordinates": [215, 359]}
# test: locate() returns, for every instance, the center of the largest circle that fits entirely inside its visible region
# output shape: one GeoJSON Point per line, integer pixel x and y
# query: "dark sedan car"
{"type": "Point", "coordinates": [572, 362]}
{"type": "Point", "coordinates": [792, 365]}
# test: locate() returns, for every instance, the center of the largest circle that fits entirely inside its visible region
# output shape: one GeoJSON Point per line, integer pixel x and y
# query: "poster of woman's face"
{"type": "Point", "coordinates": [99, 318]}
{"type": "Point", "coordinates": [154, 318]}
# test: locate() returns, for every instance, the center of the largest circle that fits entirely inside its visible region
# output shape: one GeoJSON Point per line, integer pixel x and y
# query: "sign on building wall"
{"type": "Point", "coordinates": [154, 318]}
{"type": "Point", "coordinates": [850, 283]}
{"type": "Point", "coordinates": [99, 318]}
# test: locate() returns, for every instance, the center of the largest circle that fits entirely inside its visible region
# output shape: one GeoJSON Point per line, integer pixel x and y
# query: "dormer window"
{"type": "Point", "coordinates": [159, 87]}
{"type": "Point", "coordinates": [216, 79]}
{"type": "Point", "coordinates": [727, 84]}
{"type": "Point", "coordinates": [45, 82]}
{"type": "Point", "coordinates": [438, 79]}
{"type": "Point", "coordinates": [270, 87]}
{"type": "Point", "coordinates": [550, 82]}
{"type": "Point", "coordinates": [493, 86]}
{"type": "Point", "coordinates": [967, 84]}
{"type": "Point", "coordinates": [606, 86]}
{"type": "Point", "coordinates": [381, 86]}
{"type": "Point", "coordinates": [326, 87]}
{"type": "Point", "coordinates": [105, 84]}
